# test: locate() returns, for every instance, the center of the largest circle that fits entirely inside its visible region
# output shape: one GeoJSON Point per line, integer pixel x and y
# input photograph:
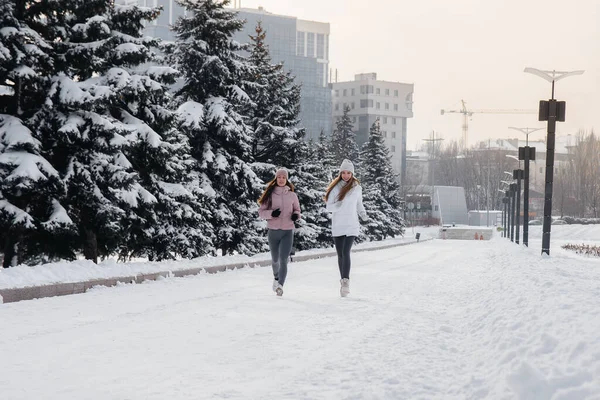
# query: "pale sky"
{"type": "Point", "coordinates": [474, 50]}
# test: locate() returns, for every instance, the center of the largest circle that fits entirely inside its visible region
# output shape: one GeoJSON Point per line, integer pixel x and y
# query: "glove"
{"type": "Point", "coordinates": [363, 215]}
{"type": "Point", "coordinates": [275, 213]}
{"type": "Point", "coordinates": [294, 217]}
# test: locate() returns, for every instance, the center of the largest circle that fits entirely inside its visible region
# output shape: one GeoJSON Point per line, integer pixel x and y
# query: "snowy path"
{"type": "Point", "coordinates": [436, 320]}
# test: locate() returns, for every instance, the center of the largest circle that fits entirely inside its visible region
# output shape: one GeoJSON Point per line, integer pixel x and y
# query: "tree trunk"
{"type": "Point", "coordinates": [90, 246]}
{"type": "Point", "coordinates": [10, 251]}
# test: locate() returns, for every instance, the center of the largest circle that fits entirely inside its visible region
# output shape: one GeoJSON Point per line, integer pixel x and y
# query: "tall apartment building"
{"type": "Point", "coordinates": [370, 99]}
{"type": "Point", "coordinates": [303, 47]}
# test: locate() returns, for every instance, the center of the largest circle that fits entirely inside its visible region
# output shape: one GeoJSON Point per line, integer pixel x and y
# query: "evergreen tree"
{"type": "Point", "coordinates": [343, 140]}
{"type": "Point", "coordinates": [324, 154]}
{"type": "Point", "coordinates": [311, 180]}
{"type": "Point", "coordinates": [30, 193]}
{"type": "Point", "coordinates": [273, 111]}
{"type": "Point", "coordinates": [381, 189]}
{"type": "Point", "coordinates": [221, 143]}
{"type": "Point", "coordinates": [30, 188]}
{"type": "Point", "coordinates": [105, 128]}
{"type": "Point", "coordinates": [176, 224]}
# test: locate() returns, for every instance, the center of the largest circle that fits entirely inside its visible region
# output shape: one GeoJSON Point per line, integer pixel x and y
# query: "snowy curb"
{"type": "Point", "coordinates": [64, 289]}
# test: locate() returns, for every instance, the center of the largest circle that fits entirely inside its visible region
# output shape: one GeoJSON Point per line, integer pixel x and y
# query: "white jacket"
{"type": "Point", "coordinates": [344, 220]}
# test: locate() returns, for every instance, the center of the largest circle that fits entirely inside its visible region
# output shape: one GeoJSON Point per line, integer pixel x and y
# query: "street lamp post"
{"type": "Point", "coordinates": [504, 215]}
{"type": "Point", "coordinates": [513, 198]}
{"type": "Point", "coordinates": [551, 111]}
{"type": "Point", "coordinates": [518, 175]}
{"type": "Point", "coordinates": [526, 154]}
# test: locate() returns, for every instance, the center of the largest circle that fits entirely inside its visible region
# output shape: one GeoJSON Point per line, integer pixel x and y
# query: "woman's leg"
{"type": "Point", "coordinates": [274, 237]}
{"type": "Point", "coordinates": [339, 248]}
{"type": "Point", "coordinates": [285, 248]}
{"type": "Point", "coordinates": [346, 262]}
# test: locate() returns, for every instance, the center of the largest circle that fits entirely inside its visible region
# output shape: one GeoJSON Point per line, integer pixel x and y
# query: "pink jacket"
{"type": "Point", "coordinates": [287, 201]}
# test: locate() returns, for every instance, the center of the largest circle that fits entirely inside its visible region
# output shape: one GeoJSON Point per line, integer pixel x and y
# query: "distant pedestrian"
{"type": "Point", "coordinates": [280, 207]}
{"type": "Point", "coordinates": [344, 201]}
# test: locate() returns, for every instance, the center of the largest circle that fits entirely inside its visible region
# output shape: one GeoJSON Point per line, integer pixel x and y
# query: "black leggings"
{"type": "Point", "coordinates": [343, 245]}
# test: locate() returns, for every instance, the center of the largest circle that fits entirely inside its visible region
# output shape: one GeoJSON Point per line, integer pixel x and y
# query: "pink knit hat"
{"type": "Point", "coordinates": [282, 171]}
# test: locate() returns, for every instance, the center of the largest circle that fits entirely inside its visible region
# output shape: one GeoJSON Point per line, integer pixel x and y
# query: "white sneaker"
{"type": "Point", "coordinates": [345, 287]}
{"type": "Point", "coordinates": [279, 290]}
{"type": "Point", "coordinates": [275, 284]}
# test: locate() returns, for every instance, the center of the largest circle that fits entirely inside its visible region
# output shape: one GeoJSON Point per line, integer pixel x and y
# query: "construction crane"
{"type": "Point", "coordinates": [469, 113]}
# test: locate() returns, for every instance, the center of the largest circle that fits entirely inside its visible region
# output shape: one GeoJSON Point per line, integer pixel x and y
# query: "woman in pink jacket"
{"type": "Point", "coordinates": [280, 207]}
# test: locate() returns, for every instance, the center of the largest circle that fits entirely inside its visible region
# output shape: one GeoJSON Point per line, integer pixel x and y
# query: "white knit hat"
{"type": "Point", "coordinates": [282, 171]}
{"type": "Point", "coordinates": [347, 166]}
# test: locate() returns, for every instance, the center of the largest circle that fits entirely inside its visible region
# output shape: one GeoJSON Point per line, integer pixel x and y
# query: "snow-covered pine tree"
{"type": "Point", "coordinates": [176, 224]}
{"type": "Point", "coordinates": [273, 111]}
{"type": "Point", "coordinates": [30, 188]}
{"type": "Point", "coordinates": [381, 189]}
{"type": "Point", "coordinates": [311, 180]}
{"type": "Point", "coordinates": [213, 73]}
{"type": "Point", "coordinates": [278, 140]}
{"type": "Point", "coordinates": [343, 140]}
{"type": "Point", "coordinates": [326, 157]}
{"type": "Point", "coordinates": [94, 120]}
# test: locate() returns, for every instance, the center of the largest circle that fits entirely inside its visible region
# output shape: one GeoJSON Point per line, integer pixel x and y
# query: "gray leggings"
{"type": "Point", "coordinates": [343, 245]}
{"type": "Point", "coordinates": [280, 243]}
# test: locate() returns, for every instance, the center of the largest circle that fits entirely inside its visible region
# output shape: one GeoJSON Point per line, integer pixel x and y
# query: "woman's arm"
{"type": "Point", "coordinates": [332, 204]}
{"type": "Point", "coordinates": [263, 212]}
{"type": "Point", "coordinates": [296, 206]}
{"type": "Point", "coordinates": [360, 208]}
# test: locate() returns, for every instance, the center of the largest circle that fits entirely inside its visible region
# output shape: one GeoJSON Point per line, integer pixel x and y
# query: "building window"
{"type": "Point", "coordinates": [364, 103]}
{"type": "Point", "coordinates": [320, 45]}
{"type": "Point", "coordinates": [310, 45]}
{"type": "Point", "coordinates": [393, 135]}
{"type": "Point", "coordinates": [377, 91]}
{"type": "Point", "coordinates": [393, 149]}
{"type": "Point", "coordinates": [395, 93]}
{"type": "Point", "coordinates": [395, 107]}
{"type": "Point", "coordinates": [378, 105]}
{"type": "Point", "coordinates": [345, 93]}
{"type": "Point", "coordinates": [387, 92]}
{"type": "Point", "coordinates": [300, 40]}
{"type": "Point", "coordinates": [345, 105]}
{"type": "Point", "coordinates": [409, 101]}
{"type": "Point", "coordinates": [354, 119]}
{"type": "Point", "coordinates": [352, 92]}
{"type": "Point", "coordinates": [364, 89]}
{"type": "Point", "coordinates": [337, 93]}
{"type": "Point", "coordinates": [337, 107]}
{"type": "Point", "coordinates": [385, 120]}
{"type": "Point", "coordinates": [352, 105]}
{"type": "Point", "coordinates": [394, 121]}
{"type": "Point", "coordinates": [387, 106]}
{"type": "Point", "coordinates": [384, 133]}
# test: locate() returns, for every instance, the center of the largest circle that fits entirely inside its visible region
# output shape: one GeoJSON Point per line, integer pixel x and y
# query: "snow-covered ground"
{"type": "Point", "coordinates": [436, 320]}
{"type": "Point", "coordinates": [83, 270]}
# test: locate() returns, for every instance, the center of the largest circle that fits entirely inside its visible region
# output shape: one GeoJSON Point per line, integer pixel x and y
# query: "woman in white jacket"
{"type": "Point", "coordinates": [344, 201]}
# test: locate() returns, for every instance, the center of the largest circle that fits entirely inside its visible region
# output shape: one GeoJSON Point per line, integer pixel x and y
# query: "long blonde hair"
{"type": "Point", "coordinates": [266, 195]}
{"type": "Point", "coordinates": [353, 182]}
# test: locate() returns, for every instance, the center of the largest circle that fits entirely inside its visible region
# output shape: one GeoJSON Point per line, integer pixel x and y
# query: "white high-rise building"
{"type": "Point", "coordinates": [370, 99]}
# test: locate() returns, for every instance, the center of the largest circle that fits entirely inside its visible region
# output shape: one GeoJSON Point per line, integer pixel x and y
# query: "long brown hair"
{"type": "Point", "coordinates": [266, 195]}
{"type": "Point", "coordinates": [353, 182]}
